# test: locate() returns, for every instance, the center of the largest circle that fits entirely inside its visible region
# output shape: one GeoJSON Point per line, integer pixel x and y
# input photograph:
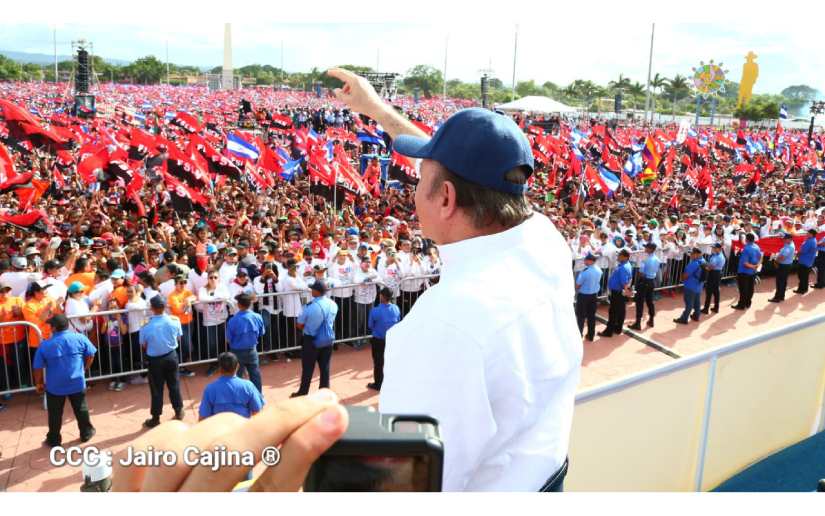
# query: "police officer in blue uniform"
{"type": "Point", "coordinates": [693, 278]}
{"type": "Point", "coordinates": [820, 263]}
{"type": "Point", "coordinates": [807, 256]}
{"type": "Point", "coordinates": [749, 260]}
{"type": "Point", "coordinates": [645, 283]}
{"type": "Point", "coordinates": [230, 393]}
{"type": "Point", "coordinates": [159, 341]}
{"type": "Point", "coordinates": [784, 261]}
{"type": "Point", "coordinates": [716, 264]}
{"type": "Point", "coordinates": [618, 283]}
{"type": "Point", "coordinates": [381, 319]}
{"type": "Point", "coordinates": [317, 324]}
{"type": "Point", "coordinates": [66, 357]}
{"type": "Point", "coordinates": [243, 331]}
{"type": "Point", "coordinates": [588, 283]}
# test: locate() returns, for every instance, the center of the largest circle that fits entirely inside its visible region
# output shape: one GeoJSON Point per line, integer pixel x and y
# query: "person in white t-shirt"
{"type": "Point", "coordinates": [366, 279]}
{"type": "Point", "coordinates": [229, 267]}
{"type": "Point", "coordinates": [20, 277]}
{"type": "Point", "coordinates": [212, 303]}
{"type": "Point", "coordinates": [292, 286]}
{"type": "Point", "coordinates": [268, 304]}
{"type": "Point", "coordinates": [342, 272]}
{"type": "Point", "coordinates": [391, 275]}
{"type": "Point", "coordinates": [77, 308]}
{"type": "Point", "coordinates": [239, 285]}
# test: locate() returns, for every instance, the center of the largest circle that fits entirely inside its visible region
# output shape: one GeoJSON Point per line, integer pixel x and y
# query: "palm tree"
{"type": "Point", "coordinates": [677, 88]}
{"type": "Point", "coordinates": [620, 85]}
{"type": "Point", "coordinates": [636, 90]}
{"type": "Point", "coordinates": [658, 82]}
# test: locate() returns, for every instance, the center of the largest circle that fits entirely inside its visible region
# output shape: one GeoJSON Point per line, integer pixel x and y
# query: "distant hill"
{"type": "Point", "coordinates": [44, 59]}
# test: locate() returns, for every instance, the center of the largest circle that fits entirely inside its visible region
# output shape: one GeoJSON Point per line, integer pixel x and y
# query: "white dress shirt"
{"type": "Point", "coordinates": [291, 303]}
{"type": "Point", "coordinates": [493, 352]}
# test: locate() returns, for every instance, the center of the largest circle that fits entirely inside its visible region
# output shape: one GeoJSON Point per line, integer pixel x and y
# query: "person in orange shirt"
{"type": "Point", "coordinates": [179, 305]}
{"type": "Point", "coordinates": [12, 338]}
{"type": "Point", "coordinates": [82, 273]}
{"type": "Point", "coordinates": [37, 309]}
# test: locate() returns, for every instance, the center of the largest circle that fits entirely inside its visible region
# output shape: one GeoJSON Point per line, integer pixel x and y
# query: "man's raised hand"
{"type": "Point", "coordinates": [357, 93]}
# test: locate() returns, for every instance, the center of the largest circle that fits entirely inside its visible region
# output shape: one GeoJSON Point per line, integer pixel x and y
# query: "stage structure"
{"type": "Point", "coordinates": [386, 84]}
{"type": "Point", "coordinates": [83, 79]}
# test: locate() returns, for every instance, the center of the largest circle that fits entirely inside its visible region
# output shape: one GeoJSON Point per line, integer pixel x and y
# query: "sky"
{"type": "Point", "coordinates": [596, 40]}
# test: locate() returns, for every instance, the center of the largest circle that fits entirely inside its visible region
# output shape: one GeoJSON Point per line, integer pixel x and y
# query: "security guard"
{"type": "Point", "coordinates": [807, 256]}
{"type": "Point", "coordinates": [243, 331]}
{"type": "Point", "coordinates": [693, 278]}
{"type": "Point", "coordinates": [159, 341]}
{"type": "Point", "coordinates": [618, 283]}
{"type": "Point", "coordinates": [317, 323]}
{"type": "Point", "coordinates": [784, 261]}
{"type": "Point", "coordinates": [716, 264]}
{"type": "Point", "coordinates": [229, 393]}
{"type": "Point", "coordinates": [588, 283]}
{"type": "Point", "coordinates": [381, 319]}
{"type": "Point", "coordinates": [66, 356]}
{"type": "Point", "coordinates": [749, 260]}
{"type": "Point", "coordinates": [645, 283]}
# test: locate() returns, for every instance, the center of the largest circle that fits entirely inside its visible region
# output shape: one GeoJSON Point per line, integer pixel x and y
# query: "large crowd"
{"type": "Point", "coordinates": [201, 196]}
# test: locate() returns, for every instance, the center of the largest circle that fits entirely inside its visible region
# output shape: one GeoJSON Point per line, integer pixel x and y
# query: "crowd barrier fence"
{"type": "Point", "coordinates": [115, 333]}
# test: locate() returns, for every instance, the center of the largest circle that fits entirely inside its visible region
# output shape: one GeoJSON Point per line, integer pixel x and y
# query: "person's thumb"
{"type": "Point", "coordinates": [302, 448]}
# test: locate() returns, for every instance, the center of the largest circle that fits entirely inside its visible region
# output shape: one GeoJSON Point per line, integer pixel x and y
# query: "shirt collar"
{"type": "Point", "coordinates": [487, 247]}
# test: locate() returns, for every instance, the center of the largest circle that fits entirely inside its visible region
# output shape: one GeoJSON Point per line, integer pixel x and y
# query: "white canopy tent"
{"type": "Point", "coordinates": [536, 104]}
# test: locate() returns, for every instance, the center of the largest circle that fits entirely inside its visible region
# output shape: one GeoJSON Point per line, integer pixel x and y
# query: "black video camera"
{"type": "Point", "coordinates": [381, 452]}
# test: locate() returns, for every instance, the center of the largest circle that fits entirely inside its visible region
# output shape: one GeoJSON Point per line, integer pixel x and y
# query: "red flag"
{"type": "Point", "coordinates": [674, 202]}
{"type": "Point", "coordinates": [88, 167]}
{"type": "Point", "coordinates": [6, 165]}
{"type": "Point", "coordinates": [26, 220]}
{"type": "Point", "coordinates": [404, 164]}
{"type": "Point", "coordinates": [59, 180]}
{"type": "Point", "coordinates": [627, 183]}
{"type": "Point", "coordinates": [256, 177]}
{"type": "Point", "coordinates": [424, 127]}
{"type": "Point", "coordinates": [17, 181]}
{"type": "Point", "coordinates": [182, 190]}
{"type": "Point", "coordinates": [29, 196]}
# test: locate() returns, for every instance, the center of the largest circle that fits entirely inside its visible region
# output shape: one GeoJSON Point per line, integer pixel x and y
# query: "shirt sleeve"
{"type": "Point", "coordinates": [206, 409]}
{"type": "Point", "coordinates": [39, 362]}
{"type": "Point", "coordinates": [415, 383]}
{"type": "Point", "coordinates": [256, 401]}
{"type": "Point", "coordinates": [88, 348]}
{"type": "Point", "coordinates": [371, 319]}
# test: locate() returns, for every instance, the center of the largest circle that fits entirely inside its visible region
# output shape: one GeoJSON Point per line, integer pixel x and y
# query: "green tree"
{"type": "Point", "coordinates": [621, 85]}
{"type": "Point", "coordinates": [526, 88]}
{"type": "Point", "coordinates": [428, 79]}
{"type": "Point", "coordinates": [761, 107]}
{"type": "Point", "coordinates": [676, 89]}
{"type": "Point", "coordinates": [796, 97]}
{"type": "Point", "coordinates": [146, 70]}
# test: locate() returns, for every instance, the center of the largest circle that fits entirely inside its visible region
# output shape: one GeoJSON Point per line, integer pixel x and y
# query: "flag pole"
{"type": "Point", "coordinates": [515, 53]}
{"type": "Point", "coordinates": [649, 70]}
{"type": "Point", "coordinates": [446, 45]}
{"type": "Point", "coordinates": [54, 40]}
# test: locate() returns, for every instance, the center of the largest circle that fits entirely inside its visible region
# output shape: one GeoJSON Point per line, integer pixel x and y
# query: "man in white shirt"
{"type": "Point", "coordinates": [492, 351]}
{"type": "Point", "coordinates": [342, 272]}
{"type": "Point", "coordinates": [19, 277]}
{"type": "Point", "coordinates": [291, 303]}
{"type": "Point", "coordinates": [411, 286]}
{"type": "Point", "coordinates": [366, 280]}
{"type": "Point", "coordinates": [229, 267]}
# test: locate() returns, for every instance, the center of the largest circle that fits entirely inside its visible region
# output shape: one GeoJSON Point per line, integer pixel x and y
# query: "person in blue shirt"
{"type": "Point", "coordinates": [317, 324]}
{"type": "Point", "coordinates": [588, 283]}
{"type": "Point", "coordinates": [645, 284]}
{"type": "Point", "coordinates": [381, 319]}
{"type": "Point", "coordinates": [230, 393]}
{"type": "Point", "coordinates": [243, 331]}
{"type": "Point", "coordinates": [716, 264]}
{"type": "Point", "coordinates": [820, 256]}
{"type": "Point", "coordinates": [618, 283]}
{"type": "Point", "coordinates": [159, 341]}
{"type": "Point", "coordinates": [807, 256]}
{"type": "Point", "coordinates": [66, 357]}
{"type": "Point", "coordinates": [784, 261]}
{"type": "Point", "coordinates": [749, 260]}
{"type": "Point", "coordinates": [693, 278]}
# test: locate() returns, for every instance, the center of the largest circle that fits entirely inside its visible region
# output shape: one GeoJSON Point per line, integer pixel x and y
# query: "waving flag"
{"type": "Point", "coordinates": [6, 165]}
{"type": "Point", "coordinates": [634, 164]}
{"type": "Point", "coordinates": [367, 137]}
{"type": "Point", "coordinates": [609, 179]}
{"type": "Point", "coordinates": [652, 155]}
{"type": "Point", "coordinates": [783, 112]}
{"type": "Point", "coordinates": [238, 146]}
{"type": "Point", "coordinates": [290, 168]}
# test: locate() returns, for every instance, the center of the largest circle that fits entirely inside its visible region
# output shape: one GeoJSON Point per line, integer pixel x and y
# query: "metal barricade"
{"type": "Point", "coordinates": [17, 355]}
{"type": "Point", "coordinates": [115, 333]}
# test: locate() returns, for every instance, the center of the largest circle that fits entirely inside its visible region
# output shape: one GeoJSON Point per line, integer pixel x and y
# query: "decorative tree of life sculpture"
{"type": "Point", "coordinates": [709, 79]}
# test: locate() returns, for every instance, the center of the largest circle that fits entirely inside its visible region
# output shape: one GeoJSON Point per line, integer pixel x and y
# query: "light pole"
{"type": "Point", "coordinates": [817, 108]}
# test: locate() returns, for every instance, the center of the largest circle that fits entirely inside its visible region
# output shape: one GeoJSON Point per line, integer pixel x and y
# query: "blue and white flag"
{"type": "Point", "coordinates": [634, 164]}
{"type": "Point", "coordinates": [241, 148]}
{"type": "Point", "coordinates": [783, 112]}
{"type": "Point", "coordinates": [290, 168]}
{"type": "Point", "coordinates": [368, 138]}
{"type": "Point", "coordinates": [609, 179]}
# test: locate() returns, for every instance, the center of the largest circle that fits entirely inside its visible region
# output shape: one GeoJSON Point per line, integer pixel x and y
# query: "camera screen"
{"type": "Point", "coordinates": [372, 473]}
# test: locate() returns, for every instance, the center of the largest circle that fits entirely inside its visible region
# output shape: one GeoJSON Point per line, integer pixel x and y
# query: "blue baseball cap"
{"type": "Point", "coordinates": [477, 145]}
